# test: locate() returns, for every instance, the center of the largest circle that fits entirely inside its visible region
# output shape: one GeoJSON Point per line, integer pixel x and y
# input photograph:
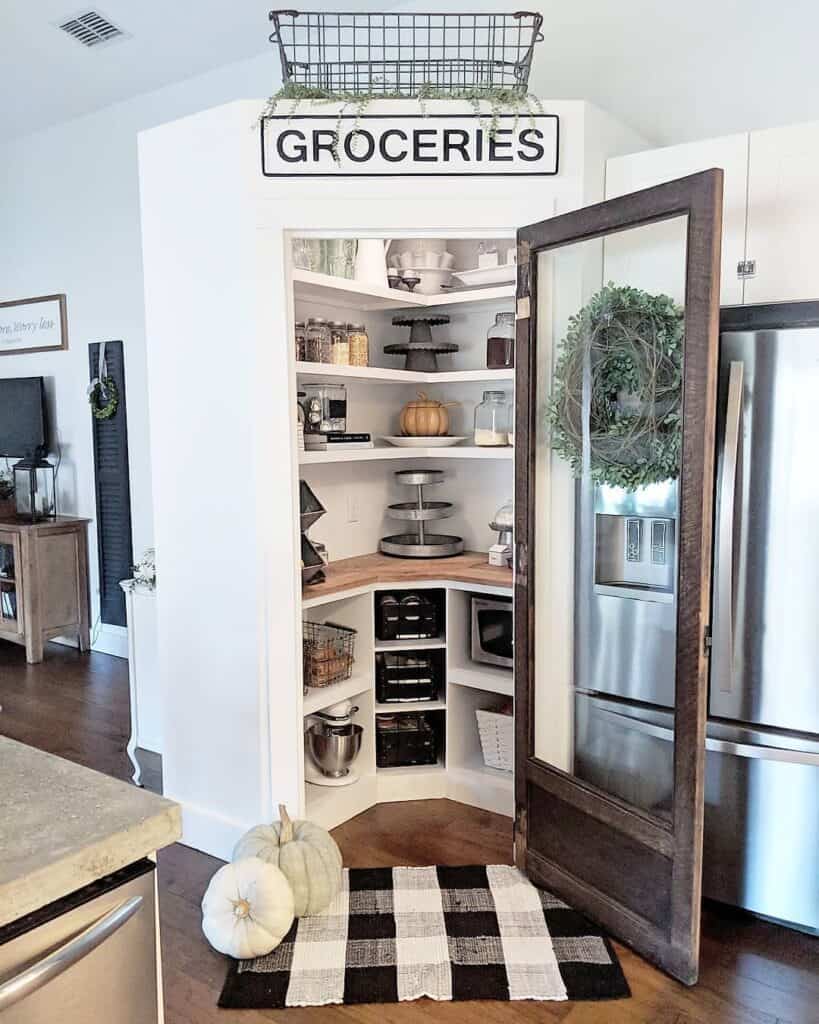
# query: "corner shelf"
{"type": "Point", "coordinates": [319, 697]}
{"type": "Point", "coordinates": [484, 677]}
{"type": "Point", "coordinates": [342, 292]}
{"type": "Point", "coordinates": [434, 644]}
{"type": "Point", "coordinates": [394, 375]}
{"type": "Point", "coordinates": [397, 707]}
{"type": "Point", "coordinates": [388, 452]}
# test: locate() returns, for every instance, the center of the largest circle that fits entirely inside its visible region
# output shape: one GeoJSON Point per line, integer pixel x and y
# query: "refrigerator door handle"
{"type": "Point", "coordinates": [757, 751]}
{"type": "Point", "coordinates": [723, 632]}
{"type": "Point", "coordinates": [40, 973]}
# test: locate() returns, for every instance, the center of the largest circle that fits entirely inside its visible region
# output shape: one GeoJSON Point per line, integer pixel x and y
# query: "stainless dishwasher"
{"type": "Point", "coordinates": [87, 958]}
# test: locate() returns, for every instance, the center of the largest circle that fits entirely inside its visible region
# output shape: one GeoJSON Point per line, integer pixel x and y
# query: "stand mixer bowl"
{"type": "Point", "coordinates": [334, 747]}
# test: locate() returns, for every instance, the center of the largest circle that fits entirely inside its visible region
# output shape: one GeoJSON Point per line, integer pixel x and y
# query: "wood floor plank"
{"type": "Point", "coordinates": [753, 972]}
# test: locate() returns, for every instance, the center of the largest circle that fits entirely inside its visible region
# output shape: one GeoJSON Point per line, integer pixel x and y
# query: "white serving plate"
{"type": "Point", "coordinates": [504, 274]}
{"type": "Point", "coordinates": [423, 442]}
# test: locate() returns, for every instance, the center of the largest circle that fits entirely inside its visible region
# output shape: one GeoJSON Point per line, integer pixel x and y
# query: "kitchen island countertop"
{"type": "Point", "coordinates": [63, 826]}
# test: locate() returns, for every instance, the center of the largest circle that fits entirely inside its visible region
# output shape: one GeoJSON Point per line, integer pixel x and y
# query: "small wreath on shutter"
{"type": "Point", "coordinates": [631, 343]}
{"type": "Point", "coordinates": [103, 397]}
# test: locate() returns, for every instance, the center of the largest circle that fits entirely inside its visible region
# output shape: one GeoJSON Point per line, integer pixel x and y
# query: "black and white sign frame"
{"type": "Point", "coordinates": [548, 125]}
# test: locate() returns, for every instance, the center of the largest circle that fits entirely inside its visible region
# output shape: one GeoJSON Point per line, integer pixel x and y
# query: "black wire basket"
{"type": "Point", "coordinates": [405, 54]}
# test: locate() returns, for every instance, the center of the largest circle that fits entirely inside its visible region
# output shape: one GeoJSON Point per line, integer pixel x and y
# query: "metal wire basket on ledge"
{"type": "Point", "coordinates": [402, 54]}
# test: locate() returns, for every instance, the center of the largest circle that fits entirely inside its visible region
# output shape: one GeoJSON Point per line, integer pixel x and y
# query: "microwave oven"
{"type": "Point", "coordinates": [493, 632]}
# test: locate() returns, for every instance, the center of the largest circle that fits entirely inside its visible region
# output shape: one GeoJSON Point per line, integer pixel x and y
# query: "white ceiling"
{"type": "Point", "coordinates": [673, 71]}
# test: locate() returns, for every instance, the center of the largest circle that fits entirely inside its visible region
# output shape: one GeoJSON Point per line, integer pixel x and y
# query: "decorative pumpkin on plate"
{"type": "Point", "coordinates": [247, 909]}
{"type": "Point", "coordinates": [307, 855]}
{"type": "Point", "coordinates": [425, 417]}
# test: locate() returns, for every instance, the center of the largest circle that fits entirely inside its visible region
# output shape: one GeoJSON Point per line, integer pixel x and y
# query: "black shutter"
{"type": "Point", "coordinates": [114, 545]}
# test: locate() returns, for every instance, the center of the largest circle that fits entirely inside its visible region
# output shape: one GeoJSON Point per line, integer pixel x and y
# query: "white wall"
{"type": "Point", "coordinates": [69, 222]}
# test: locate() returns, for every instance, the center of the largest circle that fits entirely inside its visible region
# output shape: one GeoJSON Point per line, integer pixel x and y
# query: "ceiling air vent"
{"type": "Point", "coordinates": [91, 29]}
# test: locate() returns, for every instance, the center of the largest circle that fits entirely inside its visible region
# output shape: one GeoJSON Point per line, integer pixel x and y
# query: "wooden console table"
{"type": "Point", "coordinates": [44, 582]}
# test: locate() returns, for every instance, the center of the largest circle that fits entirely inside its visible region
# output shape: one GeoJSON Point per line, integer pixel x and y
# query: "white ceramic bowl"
{"type": "Point", "coordinates": [432, 281]}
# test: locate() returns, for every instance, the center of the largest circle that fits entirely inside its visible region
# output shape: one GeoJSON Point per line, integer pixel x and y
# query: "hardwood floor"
{"type": "Point", "coordinates": [76, 706]}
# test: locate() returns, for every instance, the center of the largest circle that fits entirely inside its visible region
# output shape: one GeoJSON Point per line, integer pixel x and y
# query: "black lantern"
{"type": "Point", "coordinates": [35, 488]}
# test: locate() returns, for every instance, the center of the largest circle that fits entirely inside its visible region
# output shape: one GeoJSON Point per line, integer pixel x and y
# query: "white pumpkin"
{"type": "Point", "coordinates": [247, 909]}
{"type": "Point", "coordinates": [306, 853]}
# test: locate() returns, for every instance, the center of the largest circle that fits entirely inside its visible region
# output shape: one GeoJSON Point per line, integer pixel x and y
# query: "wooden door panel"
{"type": "Point", "coordinates": [635, 868]}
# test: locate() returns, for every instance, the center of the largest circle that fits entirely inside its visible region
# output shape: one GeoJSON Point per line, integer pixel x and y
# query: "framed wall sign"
{"type": "Point", "coordinates": [33, 325]}
{"type": "Point", "coordinates": [415, 145]}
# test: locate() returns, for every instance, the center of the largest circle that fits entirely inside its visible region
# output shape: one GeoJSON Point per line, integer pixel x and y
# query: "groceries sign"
{"type": "Point", "coordinates": [376, 145]}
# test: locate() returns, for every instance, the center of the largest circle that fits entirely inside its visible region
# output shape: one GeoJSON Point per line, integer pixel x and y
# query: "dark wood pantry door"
{"type": "Point", "coordinates": [613, 497]}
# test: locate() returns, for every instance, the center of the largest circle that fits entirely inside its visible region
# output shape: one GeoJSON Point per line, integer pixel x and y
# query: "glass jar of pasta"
{"type": "Point", "coordinates": [359, 345]}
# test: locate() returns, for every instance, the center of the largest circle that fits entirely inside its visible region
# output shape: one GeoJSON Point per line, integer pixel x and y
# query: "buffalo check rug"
{"type": "Point", "coordinates": [394, 934]}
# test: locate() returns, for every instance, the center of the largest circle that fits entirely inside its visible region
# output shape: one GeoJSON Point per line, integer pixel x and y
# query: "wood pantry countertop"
{"type": "Point", "coordinates": [367, 570]}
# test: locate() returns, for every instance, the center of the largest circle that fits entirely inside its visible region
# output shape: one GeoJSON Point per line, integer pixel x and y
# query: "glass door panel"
{"type": "Point", "coordinates": [607, 456]}
{"type": "Point", "coordinates": [9, 613]}
{"type": "Point", "coordinates": [618, 309]}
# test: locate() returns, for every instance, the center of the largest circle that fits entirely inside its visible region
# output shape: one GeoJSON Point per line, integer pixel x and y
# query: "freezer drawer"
{"type": "Point", "coordinates": [87, 958]}
{"type": "Point", "coordinates": [626, 756]}
{"type": "Point", "coordinates": [761, 848]}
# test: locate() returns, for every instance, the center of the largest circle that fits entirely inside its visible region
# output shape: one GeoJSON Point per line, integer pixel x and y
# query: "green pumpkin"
{"type": "Point", "coordinates": [306, 854]}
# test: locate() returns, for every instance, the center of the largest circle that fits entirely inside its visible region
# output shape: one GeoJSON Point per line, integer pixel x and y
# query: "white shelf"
{"type": "Point", "coordinates": [388, 452]}
{"type": "Point", "coordinates": [319, 697]}
{"type": "Point", "coordinates": [327, 290]}
{"type": "Point", "coordinates": [330, 806]}
{"type": "Point", "coordinates": [415, 771]}
{"type": "Point", "coordinates": [483, 677]}
{"type": "Point", "coordinates": [435, 644]}
{"type": "Point", "coordinates": [393, 375]}
{"type": "Point", "coordinates": [397, 707]}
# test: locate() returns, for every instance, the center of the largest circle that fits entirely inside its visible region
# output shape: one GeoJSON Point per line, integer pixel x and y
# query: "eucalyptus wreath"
{"type": "Point", "coordinates": [103, 398]}
{"type": "Point", "coordinates": [497, 99]}
{"type": "Point", "coordinates": [632, 344]}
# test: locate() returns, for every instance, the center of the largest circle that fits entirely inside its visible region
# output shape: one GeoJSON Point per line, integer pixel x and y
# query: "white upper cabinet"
{"type": "Point", "coordinates": [783, 214]}
{"type": "Point", "coordinates": [655, 259]}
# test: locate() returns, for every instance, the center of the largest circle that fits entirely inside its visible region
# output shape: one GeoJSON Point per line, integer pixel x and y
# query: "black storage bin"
{"type": "Point", "coordinates": [406, 740]}
{"type": "Point", "coordinates": [408, 675]}
{"type": "Point", "coordinates": [409, 615]}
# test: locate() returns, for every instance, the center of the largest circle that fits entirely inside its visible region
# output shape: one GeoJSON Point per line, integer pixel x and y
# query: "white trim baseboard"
{"type": "Point", "coordinates": [211, 833]}
{"type": "Point", "coordinates": [111, 640]}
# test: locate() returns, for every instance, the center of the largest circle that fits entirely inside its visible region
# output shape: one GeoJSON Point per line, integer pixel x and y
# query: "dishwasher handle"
{"type": "Point", "coordinates": [56, 963]}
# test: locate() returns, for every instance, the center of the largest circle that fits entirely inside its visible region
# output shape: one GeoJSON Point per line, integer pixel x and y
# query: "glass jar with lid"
{"type": "Point", "coordinates": [359, 342]}
{"type": "Point", "coordinates": [339, 345]}
{"type": "Point", "coordinates": [500, 342]}
{"type": "Point", "coordinates": [301, 340]}
{"type": "Point", "coordinates": [317, 340]}
{"type": "Point", "coordinates": [492, 419]}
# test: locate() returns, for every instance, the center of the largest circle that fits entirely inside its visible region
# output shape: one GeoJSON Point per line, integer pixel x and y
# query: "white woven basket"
{"type": "Point", "coordinates": [497, 733]}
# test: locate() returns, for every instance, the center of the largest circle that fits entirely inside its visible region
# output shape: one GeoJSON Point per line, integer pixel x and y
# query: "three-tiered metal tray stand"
{"type": "Point", "coordinates": [421, 544]}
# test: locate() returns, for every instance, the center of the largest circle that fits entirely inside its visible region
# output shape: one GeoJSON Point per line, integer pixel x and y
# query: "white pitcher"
{"type": "Point", "coordinates": [371, 261]}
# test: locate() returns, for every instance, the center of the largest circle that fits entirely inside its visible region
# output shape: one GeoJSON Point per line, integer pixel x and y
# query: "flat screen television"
{"type": "Point", "coordinates": [23, 417]}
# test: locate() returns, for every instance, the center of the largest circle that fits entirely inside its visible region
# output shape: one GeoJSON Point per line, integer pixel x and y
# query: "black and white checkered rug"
{"type": "Point", "coordinates": [394, 934]}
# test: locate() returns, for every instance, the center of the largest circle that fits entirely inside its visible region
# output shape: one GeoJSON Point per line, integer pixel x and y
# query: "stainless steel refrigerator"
{"type": "Point", "coordinates": [761, 847]}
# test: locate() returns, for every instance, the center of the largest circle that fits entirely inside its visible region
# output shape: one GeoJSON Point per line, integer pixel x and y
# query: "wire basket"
{"type": "Point", "coordinates": [328, 653]}
{"type": "Point", "coordinates": [400, 54]}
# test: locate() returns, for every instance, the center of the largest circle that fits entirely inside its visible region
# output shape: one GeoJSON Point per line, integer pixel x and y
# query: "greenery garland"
{"type": "Point", "coordinates": [98, 389]}
{"type": "Point", "coordinates": [500, 101]}
{"type": "Point", "coordinates": [632, 344]}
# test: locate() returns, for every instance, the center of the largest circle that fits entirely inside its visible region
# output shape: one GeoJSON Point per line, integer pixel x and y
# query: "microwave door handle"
{"type": "Point", "coordinates": [723, 633]}
{"type": "Point", "coordinates": [39, 974]}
